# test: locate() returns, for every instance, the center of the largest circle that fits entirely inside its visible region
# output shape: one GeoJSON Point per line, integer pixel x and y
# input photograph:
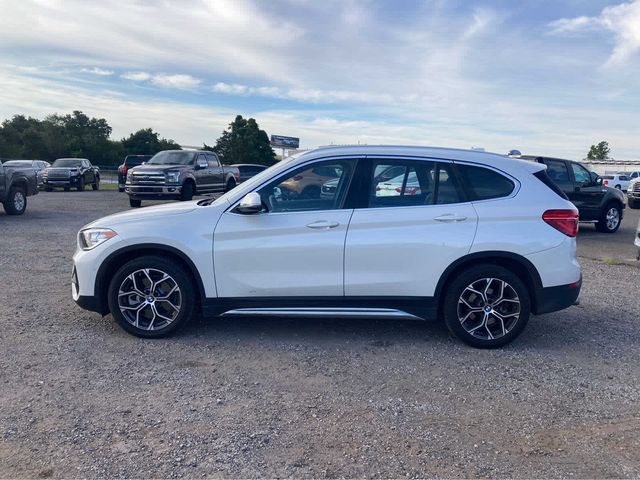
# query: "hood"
{"type": "Point", "coordinates": [158, 168]}
{"type": "Point", "coordinates": [142, 214]}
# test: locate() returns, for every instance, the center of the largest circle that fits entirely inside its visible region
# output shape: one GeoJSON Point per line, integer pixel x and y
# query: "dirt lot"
{"type": "Point", "coordinates": [268, 398]}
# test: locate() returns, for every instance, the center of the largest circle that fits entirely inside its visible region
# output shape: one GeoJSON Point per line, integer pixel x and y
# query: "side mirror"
{"type": "Point", "coordinates": [598, 181]}
{"type": "Point", "coordinates": [250, 204]}
{"type": "Point", "coordinates": [202, 163]}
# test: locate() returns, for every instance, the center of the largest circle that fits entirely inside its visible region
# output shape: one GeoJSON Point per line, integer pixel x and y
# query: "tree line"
{"type": "Point", "coordinates": [77, 135]}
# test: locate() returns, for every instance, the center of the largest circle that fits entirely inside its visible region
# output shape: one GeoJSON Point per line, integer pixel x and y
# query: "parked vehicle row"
{"type": "Point", "coordinates": [481, 240]}
{"type": "Point", "coordinates": [39, 166]}
{"type": "Point", "coordinates": [16, 184]}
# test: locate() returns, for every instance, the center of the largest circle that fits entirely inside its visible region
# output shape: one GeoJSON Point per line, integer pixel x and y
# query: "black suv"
{"type": "Point", "coordinates": [596, 203]}
{"type": "Point", "coordinates": [130, 161]}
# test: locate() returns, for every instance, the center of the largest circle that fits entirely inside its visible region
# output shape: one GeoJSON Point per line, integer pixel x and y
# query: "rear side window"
{"type": "Point", "coordinates": [544, 178]}
{"type": "Point", "coordinates": [558, 173]}
{"type": "Point", "coordinates": [484, 184]}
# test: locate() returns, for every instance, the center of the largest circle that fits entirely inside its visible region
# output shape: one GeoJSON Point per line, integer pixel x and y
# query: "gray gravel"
{"type": "Point", "coordinates": [284, 398]}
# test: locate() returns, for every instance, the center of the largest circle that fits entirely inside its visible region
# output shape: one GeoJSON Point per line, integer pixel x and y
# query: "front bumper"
{"type": "Point", "coordinates": [150, 192]}
{"type": "Point", "coordinates": [60, 182]}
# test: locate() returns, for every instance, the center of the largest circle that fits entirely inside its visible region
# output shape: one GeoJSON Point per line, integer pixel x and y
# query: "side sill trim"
{"type": "Point", "coordinates": [322, 313]}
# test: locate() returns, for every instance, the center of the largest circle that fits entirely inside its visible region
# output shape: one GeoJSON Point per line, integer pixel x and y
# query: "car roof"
{"type": "Point", "coordinates": [501, 162]}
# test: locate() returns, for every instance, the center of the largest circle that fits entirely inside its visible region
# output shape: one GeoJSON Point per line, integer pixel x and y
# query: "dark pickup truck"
{"type": "Point", "coordinates": [16, 184]}
{"type": "Point", "coordinates": [179, 175]}
{"type": "Point", "coordinates": [596, 203]}
{"type": "Point", "coordinates": [71, 172]}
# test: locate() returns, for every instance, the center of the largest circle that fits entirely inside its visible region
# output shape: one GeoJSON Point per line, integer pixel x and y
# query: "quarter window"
{"type": "Point", "coordinates": [485, 184]}
{"type": "Point", "coordinates": [322, 186]}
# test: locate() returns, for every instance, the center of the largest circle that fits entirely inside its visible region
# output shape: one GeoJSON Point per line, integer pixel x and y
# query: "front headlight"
{"type": "Point", "coordinates": [173, 177]}
{"type": "Point", "coordinates": [92, 237]}
{"type": "Point", "coordinates": [129, 176]}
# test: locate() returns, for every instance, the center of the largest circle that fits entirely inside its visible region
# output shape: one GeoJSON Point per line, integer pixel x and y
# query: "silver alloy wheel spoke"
{"type": "Point", "coordinates": [612, 218]}
{"type": "Point", "coordinates": [500, 306]}
{"type": "Point", "coordinates": [141, 307]}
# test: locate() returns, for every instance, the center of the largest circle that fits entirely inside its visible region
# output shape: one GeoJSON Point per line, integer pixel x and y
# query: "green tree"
{"type": "Point", "coordinates": [147, 142]}
{"type": "Point", "coordinates": [599, 152]}
{"type": "Point", "coordinates": [244, 142]}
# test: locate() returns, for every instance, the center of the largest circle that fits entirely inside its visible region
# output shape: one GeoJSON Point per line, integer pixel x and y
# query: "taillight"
{"type": "Point", "coordinates": [565, 221]}
{"type": "Point", "coordinates": [606, 182]}
{"type": "Point", "coordinates": [124, 169]}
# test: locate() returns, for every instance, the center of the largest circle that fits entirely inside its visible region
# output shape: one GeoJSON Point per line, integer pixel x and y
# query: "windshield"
{"type": "Point", "coordinates": [67, 162]}
{"type": "Point", "coordinates": [171, 157]}
{"type": "Point", "coordinates": [18, 163]}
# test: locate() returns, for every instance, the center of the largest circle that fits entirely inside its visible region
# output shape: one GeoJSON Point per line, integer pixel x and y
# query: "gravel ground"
{"type": "Point", "coordinates": [285, 398]}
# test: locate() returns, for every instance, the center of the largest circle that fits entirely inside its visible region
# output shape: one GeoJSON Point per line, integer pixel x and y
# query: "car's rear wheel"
{"type": "Point", "coordinates": [151, 296]}
{"type": "Point", "coordinates": [16, 201]}
{"type": "Point", "coordinates": [231, 184]}
{"type": "Point", "coordinates": [610, 219]}
{"type": "Point", "coordinates": [486, 306]}
{"type": "Point", "coordinates": [96, 184]}
{"type": "Point", "coordinates": [133, 203]}
{"type": "Point", "coordinates": [80, 186]}
{"type": "Point", "coordinates": [188, 191]}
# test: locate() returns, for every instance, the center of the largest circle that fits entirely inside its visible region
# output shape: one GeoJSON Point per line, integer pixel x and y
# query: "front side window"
{"type": "Point", "coordinates": [320, 186]}
{"type": "Point", "coordinates": [485, 184]}
{"type": "Point", "coordinates": [581, 175]}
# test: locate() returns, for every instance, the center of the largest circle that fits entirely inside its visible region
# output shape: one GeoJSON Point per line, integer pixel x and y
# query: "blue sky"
{"type": "Point", "coordinates": [547, 77]}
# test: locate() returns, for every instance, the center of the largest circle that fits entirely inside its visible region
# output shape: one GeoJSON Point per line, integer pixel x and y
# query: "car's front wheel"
{"type": "Point", "coordinates": [151, 296]}
{"type": "Point", "coordinates": [80, 186]}
{"type": "Point", "coordinates": [610, 219]}
{"type": "Point", "coordinates": [486, 306]}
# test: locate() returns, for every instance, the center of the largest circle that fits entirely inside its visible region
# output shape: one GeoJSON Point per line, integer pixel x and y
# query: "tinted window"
{"type": "Point", "coordinates": [322, 186]}
{"type": "Point", "coordinates": [558, 173]}
{"type": "Point", "coordinates": [213, 161]}
{"type": "Point", "coordinates": [484, 184]}
{"type": "Point", "coordinates": [624, 178]}
{"type": "Point", "coordinates": [400, 184]}
{"type": "Point", "coordinates": [581, 175]}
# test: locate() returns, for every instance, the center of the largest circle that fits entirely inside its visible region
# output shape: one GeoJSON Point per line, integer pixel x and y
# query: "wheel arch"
{"type": "Point", "coordinates": [519, 265]}
{"type": "Point", "coordinates": [118, 258]}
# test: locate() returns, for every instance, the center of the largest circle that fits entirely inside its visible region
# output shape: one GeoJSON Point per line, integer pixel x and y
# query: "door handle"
{"type": "Point", "coordinates": [450, 217]}
{"type": "Point", "coordinates": [323, 225]}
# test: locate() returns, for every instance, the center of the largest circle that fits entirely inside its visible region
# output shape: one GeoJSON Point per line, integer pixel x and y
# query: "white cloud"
{"type": "Point", "coordinates": [98, 71]}
{"type": "Point", "coordinates": [136, 76]}
{"type": "Point", "coordinates": [623, 21]}
{"type": "Point", "coordinates": [181, 81]}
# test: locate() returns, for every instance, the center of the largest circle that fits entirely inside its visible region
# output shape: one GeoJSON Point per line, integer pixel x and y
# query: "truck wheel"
{"type": "Point", "coordinates": [16, 202]}
{"type": "Point", "coordinates": [610, 219]}
{"type": "Point", "coordinates": [81, 185]}
{"type": "Point", "coordinates": [133, 203]}
{"type": "Point", "coordinates": [231, 184]}
{"type": "Point", "coordinates": [96, 184]}
{"type": "Point", "coordinates": [187, 192]}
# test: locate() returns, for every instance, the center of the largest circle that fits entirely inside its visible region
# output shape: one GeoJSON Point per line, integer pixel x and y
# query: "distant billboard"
{"type": "Point", "coordinates": [280, 141]}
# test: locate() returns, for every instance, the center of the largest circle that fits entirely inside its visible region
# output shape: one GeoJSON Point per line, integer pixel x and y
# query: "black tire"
{"type": "Point", "coordinates": [633, 204]}
{"type": "Point", "coordinates": [606, 222]}
{"type": "Point", "coordinates": [231, 184]}
{"type": "Point", "coordinates": [80, 186]}
{"type": "Point", "coordinates": [149, 306]}
{"type": "Point", "coordinates": [485, 323]}
{"type": "Point", "coordinates": [619, 187]}
{"type": "Point", "coordinates": [96, 184]}
{"type": "Point", "coordinates": [188, 191]}
{"type": "Point", "coordinates": [133, 203]}
{"type": "Point", "coordinates": [16, 201]}
{"type": "Point", "coordinates": [120, 189]}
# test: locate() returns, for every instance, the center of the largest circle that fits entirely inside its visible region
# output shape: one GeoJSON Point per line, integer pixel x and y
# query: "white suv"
{"type": "Point", "coordinates": [482, 241]}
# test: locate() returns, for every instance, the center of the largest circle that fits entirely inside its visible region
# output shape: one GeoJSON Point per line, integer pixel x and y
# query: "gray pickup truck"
{"type": "Point", "coordinates": [179, 175]}
{"type": "Point", "coordinates": [16, 184]}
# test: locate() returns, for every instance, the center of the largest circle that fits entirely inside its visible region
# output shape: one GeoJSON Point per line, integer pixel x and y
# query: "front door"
{"type": "Point", "coordinates": [295, 247]}
{"type": "Point", "coordinates": [414, 226]}
{"type": "Point", "coordinates": [587, 194]}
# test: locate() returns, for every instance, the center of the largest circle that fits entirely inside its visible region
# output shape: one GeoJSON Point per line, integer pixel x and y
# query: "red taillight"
{"type": "Point", "coordinates": [565, 221]}
{"type": "Point", "coordinates": [606, 182]}
{"type": "Point", "coordinates": [124, 169]}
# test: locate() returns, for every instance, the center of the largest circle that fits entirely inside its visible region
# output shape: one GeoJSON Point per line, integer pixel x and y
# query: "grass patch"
{"type": "Point", "coordinates": [108, 186]}
{"type": "Point", "coordinates": [613, 261]}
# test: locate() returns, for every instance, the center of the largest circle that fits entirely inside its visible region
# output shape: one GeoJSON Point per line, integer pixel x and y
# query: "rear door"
{"type": "Point", "coordinates": [216, 172]}
{"type": "Point", "coordinates": [413, 224]}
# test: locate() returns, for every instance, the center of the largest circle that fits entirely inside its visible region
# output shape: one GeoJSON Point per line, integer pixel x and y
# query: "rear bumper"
{"type": "Point", "coordinates": [552, 299]}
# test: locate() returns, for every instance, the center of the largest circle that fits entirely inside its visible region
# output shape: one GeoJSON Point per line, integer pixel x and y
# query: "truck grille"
{"type": "Point", "coordinates": [58, 175]}
{"type": "Point", "coordinates": [140, 178]}
{"type": "Point", "coordinates": [636, 187]}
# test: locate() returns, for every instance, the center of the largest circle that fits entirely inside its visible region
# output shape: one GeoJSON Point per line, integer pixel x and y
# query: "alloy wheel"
{"type": "Point", "coordinates": [149, 299]}
{"type": "Point", "coordinates": [18, 201]}
{"type": "Point", "coordinates": [488, 308]}
{"type": "Point", "coordinates": [612, 218]}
